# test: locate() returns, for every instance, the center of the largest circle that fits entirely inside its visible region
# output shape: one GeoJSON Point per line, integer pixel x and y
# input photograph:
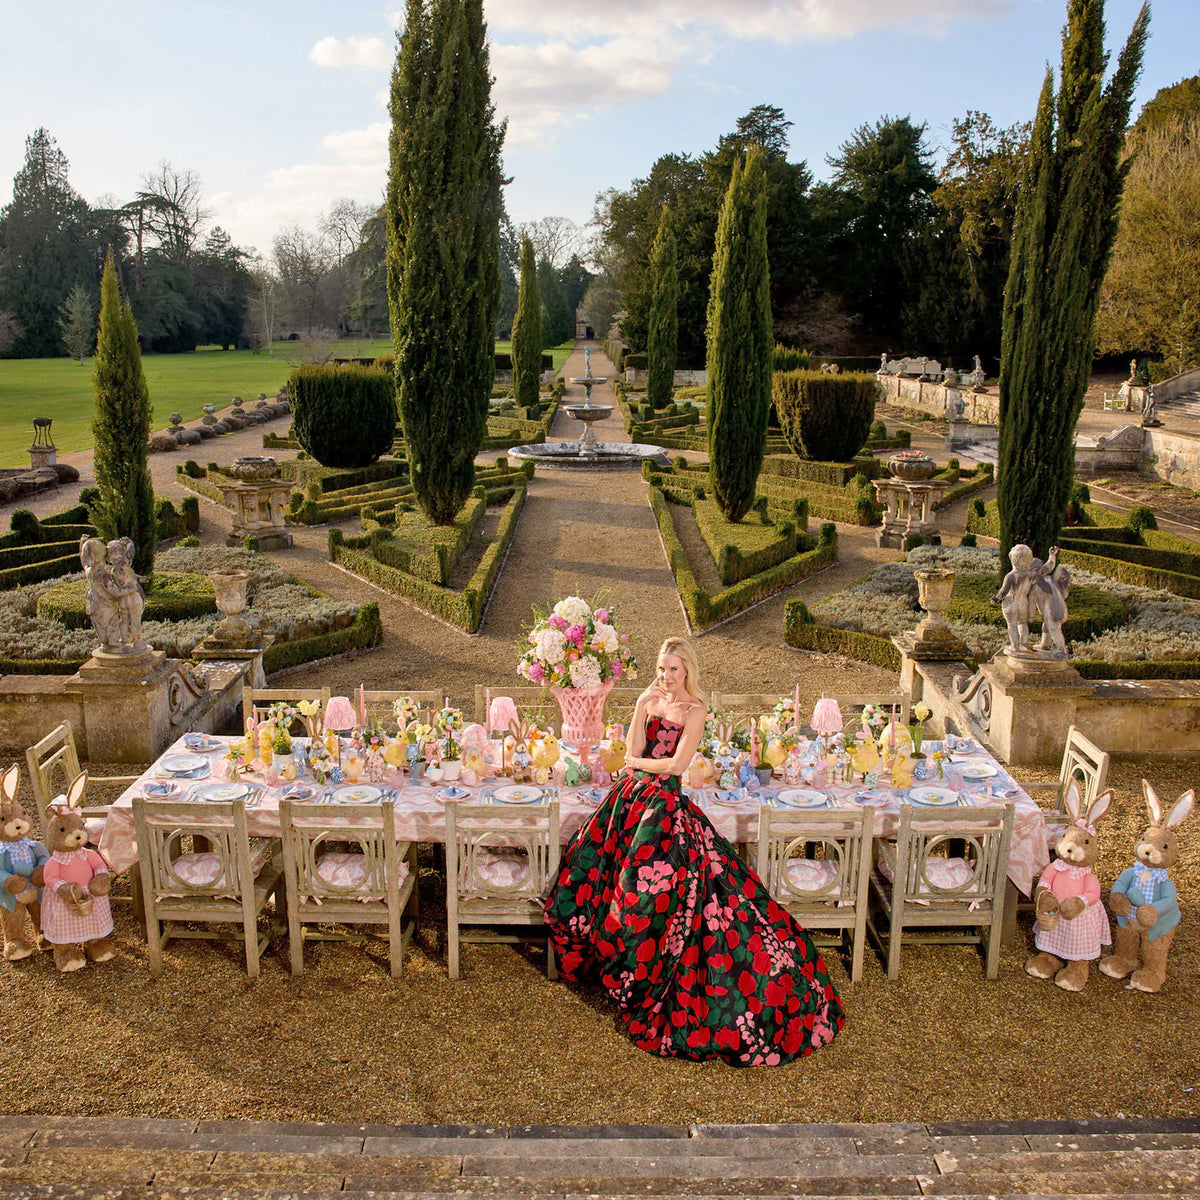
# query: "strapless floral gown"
{"type": "Point", "coordinates": [682, 934]}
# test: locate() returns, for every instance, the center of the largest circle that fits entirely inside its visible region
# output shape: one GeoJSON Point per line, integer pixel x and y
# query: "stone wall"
{"type": "Point", "coordinates": [1173, 457]}
{"type": "Point", "coordinates": [682, 378]}
{"type": "Point", "coordinates": [980, 408]}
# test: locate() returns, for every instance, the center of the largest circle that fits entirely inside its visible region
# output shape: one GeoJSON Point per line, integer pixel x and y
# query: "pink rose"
{"type": "Point", "coordinates": [603, 615]}
{"type": "Point", "coordinates": [622, 637]}
{"type": "Point", "coordinates": [576, 634]}
{"type": "Point", "coordinates": [618, 668]}
{"type": "Point", "coordinates": [537, 672]}
{"type": "Point", "coordinates": [556, 622]}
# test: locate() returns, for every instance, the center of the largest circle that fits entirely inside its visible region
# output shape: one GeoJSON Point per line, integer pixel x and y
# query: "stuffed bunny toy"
{"type": "Point", "coordinates": [725, 756]}
{"type": "Point", "coordinates": [1071, 921]}
{"type": "Point", "coordinates": [22, 864]}
{"type": "Point", "coordinates": [76, 918]}
{"type": "Point", "coordinates": [522, 759]}
{"type": "Point", "coordinates": [1144, 899]}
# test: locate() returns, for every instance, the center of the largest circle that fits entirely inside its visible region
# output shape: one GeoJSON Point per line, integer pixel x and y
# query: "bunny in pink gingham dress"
{"type": "Point", "coordinates": [1082, 937]}
{"type": "Point", "coordinates": [60, 924]}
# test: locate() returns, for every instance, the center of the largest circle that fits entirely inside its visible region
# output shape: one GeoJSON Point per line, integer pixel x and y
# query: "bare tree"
{"type": "Point", "coordinates": [303, 261]}
{"type": "Point", "coordinates": [554, 239]}
{"type": "Point", "coordinates": [174, 214]}
{"type": "Point", "coordinates": [342, 226]}
{"type": "Point", "coordinates": [262, 302]}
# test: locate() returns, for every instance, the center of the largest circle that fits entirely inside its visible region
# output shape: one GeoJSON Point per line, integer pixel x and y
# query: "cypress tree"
{"type": "Point", "coordinates": [527, 331]}
{"type": "Point", "coordinates": [121, 426]}
{"type": "Point", "coordinates": [1065, 226]}
{"type": "Point", "coordinates": [740, 341]}
{"type": "Point", "coordinates": [443, 253]}
{"type": "Point", "coordinates": [663, 335]}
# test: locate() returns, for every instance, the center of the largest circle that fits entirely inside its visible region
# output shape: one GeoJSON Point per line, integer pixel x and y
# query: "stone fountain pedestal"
{"type": "Point", "coordinates": [909, 499]}
{"type": "Point", "coordinates": [259, 500]}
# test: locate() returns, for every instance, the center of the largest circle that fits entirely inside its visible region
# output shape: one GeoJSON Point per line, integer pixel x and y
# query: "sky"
{"type": "Point", "coordinates": [280, 107]}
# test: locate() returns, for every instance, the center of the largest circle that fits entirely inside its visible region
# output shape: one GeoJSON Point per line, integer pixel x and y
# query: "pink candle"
{"type": "Point", "coordinates": [892, 730]}
{"type": "Point", "coordinates": [796, 709]}
{"type": "Point", "coordinates": [753, 742]}
{"type": "Point", "coordinates": [362, 705]}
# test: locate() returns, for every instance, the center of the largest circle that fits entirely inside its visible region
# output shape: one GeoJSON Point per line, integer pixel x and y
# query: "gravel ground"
{"type": "Point", "coordinates": [344, 1042]}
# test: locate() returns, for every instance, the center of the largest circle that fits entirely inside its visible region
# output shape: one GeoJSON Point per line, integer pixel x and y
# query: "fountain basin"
{"type": "Point", "coordinates": [588, 381]}
{"type": "Point", "coordinates": [588, 412]}
{"type": "Point", "coordinates": [601, 456]}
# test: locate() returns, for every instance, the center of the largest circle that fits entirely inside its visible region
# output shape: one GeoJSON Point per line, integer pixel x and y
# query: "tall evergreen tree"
{"type": "Point", "coordinates": [740, 341]}
{"type": "Point", "coordinates": [663, 341]}
{"type": "Point", "coordinates": [121, 427]}
{"type": "Point", "coordinates": [77, 322]}
{"type": "Point", "coordinates": [443, 216]}
{"type": "Point", "coordinates": [1065, 226]}
{"type": "Point", "coordinates": [527, 331]}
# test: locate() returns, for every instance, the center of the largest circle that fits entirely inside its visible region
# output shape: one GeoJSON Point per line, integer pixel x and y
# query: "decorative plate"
{"type": "Point", "coordinates": [592, 795]}
{"type": "Point", "coordinates": [183, 764]}
{"type": "Point", "coordinates": [453, 792]}
{"type": "Point", "coordinates": [355, 793]}
{"type": "Point", "coordinates": [932, 795]}
{"type": "Point", "coordinates": [801, 798]}
{"type": "Point", "coordinates": [975, 771]}
{"type": "Point", "coordinates": [299, 791]}
{"type": "Point", "coordinates": [159, 789]}
{"type": "Point", "coordinates": [737, 797]}
{"type": "Point", "coordinates": [518, 793]}
{"type": "Point", "coordinates": [222, 793]}
{"type": "Point", "coordinates": [200, 742]}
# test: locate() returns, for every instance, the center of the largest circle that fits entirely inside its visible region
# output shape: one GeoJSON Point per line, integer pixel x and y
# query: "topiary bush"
{"type": "Point", "coordinates": [1139, 518]}
{"type": "Point", "coordinates": [825, 418]}
{"type": "Point", "coordinates": [969, 539]}
{"type": "Point", "coordinates": [788, 358]}
{"type": "Point", "coordinates": [344, 416]}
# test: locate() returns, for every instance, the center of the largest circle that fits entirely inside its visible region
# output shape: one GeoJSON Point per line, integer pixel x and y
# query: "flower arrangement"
{"type": "Point", "coordinates": [448, 720]}
{"type": "Point", "coordinates": [576, 646]}
{"type": "Point", "coordinates": [406, 711]}
{"type": "Point", "coordinates": [916, 729]}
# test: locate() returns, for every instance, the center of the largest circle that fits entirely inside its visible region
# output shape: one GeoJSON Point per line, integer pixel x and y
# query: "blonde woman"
{"type": "Point", "coordinates": [658, 906]}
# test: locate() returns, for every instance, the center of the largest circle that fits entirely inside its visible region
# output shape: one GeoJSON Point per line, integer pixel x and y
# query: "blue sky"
{"type": "Point", "coordinates": [281, 108]}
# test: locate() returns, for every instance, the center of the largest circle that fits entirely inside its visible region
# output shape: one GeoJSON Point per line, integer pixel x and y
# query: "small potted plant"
{"type": "Point", "coordinates": [916, 729]}
{"type": "Point", "coordinates": [451, 760]}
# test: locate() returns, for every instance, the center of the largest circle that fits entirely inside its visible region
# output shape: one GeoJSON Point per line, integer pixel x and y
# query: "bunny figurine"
{"type": "Point", "coordinates": [76, 918]}
{"type": "Point", "coordinates": [725, 756]}
{"type": "Point", "coordinates": [1071, 921]}
{"type": "Point", "coordinates": [1144, 899]}
{"type": "Point", "coordinates": [22, 862]}
{"type": "Point", "coordinates": [522, 759]}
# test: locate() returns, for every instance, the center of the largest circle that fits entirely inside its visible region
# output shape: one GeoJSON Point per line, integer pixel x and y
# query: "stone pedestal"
{"type": "Point", "coordinates": [1032, 708]}
{"type": "Point", "coordinates": [213, 650]}
{"type": "Point", "coordinates": [908, 508]}
{"type": "Point", "coordinates": [126, 705]}
{"type": "Point", "coordinates": [258, 511]}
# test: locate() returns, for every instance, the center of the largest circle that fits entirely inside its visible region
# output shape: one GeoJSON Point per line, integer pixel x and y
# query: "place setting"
{"type": "Point", "coordinates": [933, 797]}
{"type": "Point", "coordinates": [185, 766]}
{"type": "Point", "coordinates": [800, 798]}
{"type": "Point", "coordinates": [226, 793]}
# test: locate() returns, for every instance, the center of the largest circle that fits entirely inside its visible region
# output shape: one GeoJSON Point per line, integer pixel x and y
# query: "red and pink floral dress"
{"type": "Point", "coordinates": [682, 934]}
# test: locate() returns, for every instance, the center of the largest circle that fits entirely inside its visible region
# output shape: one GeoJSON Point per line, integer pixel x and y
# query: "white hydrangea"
{"type": "Point", "coordinates": [585, 672]}
{"type": "Point", "coordinates": [573, 610]}
{"type": "Point", "coordinates": [551, 646]}
{"type": "Point", "coordinates": [605, 639]}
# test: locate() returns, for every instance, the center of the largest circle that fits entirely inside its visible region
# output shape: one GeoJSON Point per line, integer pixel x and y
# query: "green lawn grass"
{"type": "Point", "coordinates": [60, 388]}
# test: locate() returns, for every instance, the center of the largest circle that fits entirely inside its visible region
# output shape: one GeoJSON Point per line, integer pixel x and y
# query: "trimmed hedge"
{"type": "Point", "coordinates": [800, 630]}
{"type": "Point", "coordinates": [344, 416]}
{"type": "Point", "coordinates": [13, 577]}
{"type": "Point", "coordinates": [170, 596]}
{"type": "Point", "coordinates": [831, 474]}
{"type": "Point", "coordinates": [462, 609]}
{"type": "Point", "coordinates": [1127, 572]}
{"type": "Point", "coordinates": [1177, 561]}
{"type": "Point", "coordinates": [745, 549]}
{"type": "Point", "coordinates": [1138, 669]}
{"type": "Point", "coordinates": [366, 631]}
{"type": "Point", "coordinates": [825, 418]}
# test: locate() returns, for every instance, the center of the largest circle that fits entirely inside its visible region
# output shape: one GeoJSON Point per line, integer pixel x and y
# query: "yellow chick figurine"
{"type": "Point", "coordinates": [699, 772]}
{"type": "Point", "coordinates": [395, 754]}
{"type": "Point", "coordinates": [545, 752]}
{"type": "Point", "coordinates": [775, 753]}
{"type": "Point", "coordinates": [902, 771]}
{"type": "Point", "coordinates": [612, 757]}
{"type": "Point", "coordinates": [865, 758]}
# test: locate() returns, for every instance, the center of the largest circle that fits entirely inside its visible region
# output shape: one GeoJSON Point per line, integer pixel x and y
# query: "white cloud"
{"type": "Point", "coordinates": [365, 53]}
{"type": "Point", "coordinates": [369, 145]}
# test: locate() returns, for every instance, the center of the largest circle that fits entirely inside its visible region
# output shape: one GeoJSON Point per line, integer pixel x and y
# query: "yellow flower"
{"type": "Point", "coordinates": [921, 710]}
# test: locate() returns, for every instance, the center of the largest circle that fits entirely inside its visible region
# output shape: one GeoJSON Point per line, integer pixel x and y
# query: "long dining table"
{"type": "Point", "coordinates": [420, 807]}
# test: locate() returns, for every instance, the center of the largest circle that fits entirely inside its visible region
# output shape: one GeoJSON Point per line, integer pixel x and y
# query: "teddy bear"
{"type": "Point", "coordinates": [1071, 923]}
{"type": "Point", "coordinates": [1144, 899]}
{"type": "Point", "coordinates": [22, 864]}
{"type": "Point", "coordinates": [76, 917]}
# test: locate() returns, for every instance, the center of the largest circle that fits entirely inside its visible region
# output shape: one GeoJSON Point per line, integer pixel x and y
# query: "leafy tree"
{"type": "Point", "coordinates": [527, 331]}
{"type": "Point", "coordinates": [664, 320]}
{"type": "Point", "coordinates": [367, 305]}
{"type": "Point", "coordinates": [124, 506]}
{"type": "Point", "coordinates": [78, 322]}
{"type": "Point", "coordinates": [45, 247]}
{"type": "Point", "coordinates": [740, 341]}
{"type": "Point", "coordinates": [443, 215]}
{"type": "Point", "coordinates": [601, 303]}
{"type": "Point", "coordinates": [1180, 99]}
{"type": "Point", "coordinates": [1065, 227]}
{"type": "Point", "coordinates": [222, 286]}
{"type": "Point", "coordinates": [573, 279]}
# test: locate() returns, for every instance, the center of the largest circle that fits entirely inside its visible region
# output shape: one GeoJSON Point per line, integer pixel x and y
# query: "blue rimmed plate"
{"type": "Point", "coordinates": [452, 792]}
{"type": "Point", "coordinates": [201, 743]}
{"type": "Point", "coordinates": [183, 764]}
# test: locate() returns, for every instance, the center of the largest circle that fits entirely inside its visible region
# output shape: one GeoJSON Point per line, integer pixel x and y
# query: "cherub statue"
{"type": "Point", "coordinates": [1030, 589]}
{"type": "Point", "coordinates": [1150, 408]}
{"type": "Point", "coordinates": [127, 588]}
{"type": "Point", "coordinates": [101, 598]}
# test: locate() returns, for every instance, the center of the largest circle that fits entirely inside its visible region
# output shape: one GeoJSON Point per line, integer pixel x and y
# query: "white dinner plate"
{"type": "Point", "coordinates": [802, 798]}
{"type": "Point", "coordinates": [518, 793]}
{"type": "Point", "coordinates": [183, 764]}
{"type": "Point", "coordinates": [222, 793]}
{"type": "Point", "coordinates": [975, 771]}
{"type": "Point", "coordinates": [355, 793]}
{"type": "Point", "coordinates": [932, 795]}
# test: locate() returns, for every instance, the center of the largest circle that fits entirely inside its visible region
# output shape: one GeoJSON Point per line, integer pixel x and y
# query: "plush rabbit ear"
{"type": "Point", "coordinates": [9, 783]}
{"type": "Point", "coordinates": [1099, 807]}
{"type": "Point", "coordinates": [1073, 799]}
{"type": "Point", "coordinates": [76, 789]}
{"type": "Point", "coordinates": [1181, 811]}
{"type": "Point", "coordinates": [1153, 803]}
{"type": "Point", "coordinates": [514, 727]}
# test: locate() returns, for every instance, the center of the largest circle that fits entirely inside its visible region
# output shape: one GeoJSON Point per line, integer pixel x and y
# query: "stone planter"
{"type": "Point", "coordinates": [912, 468]}
{"type": "Point", "coordinates": [935, 586]}
{"type": "Point", "coordinates": [254, 469]}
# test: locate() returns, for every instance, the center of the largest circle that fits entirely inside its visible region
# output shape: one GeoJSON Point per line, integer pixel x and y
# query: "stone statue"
{"type": "Point", "coordinates": [1150, 408]}
{"type": "Point", "coordinates": [955, 405]}
{"type": "Point", "coordinates": [1032, 589]}
{"type": "Point", "coordinates": [882, 363]}
{"type": "Point", "coordinates": [975, 379]}
{"type": "Point", "coordinates": [950, 377]}
{"type": "Point", "coordinates": [587, 361]}
{"type": "Point", "coordinates": [1133, 370]}
{"type": "Point", "coordinates": [114, 600]}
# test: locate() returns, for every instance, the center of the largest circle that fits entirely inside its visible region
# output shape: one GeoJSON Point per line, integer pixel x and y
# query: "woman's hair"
{"type": "Point", "coordinates": [686, 653]}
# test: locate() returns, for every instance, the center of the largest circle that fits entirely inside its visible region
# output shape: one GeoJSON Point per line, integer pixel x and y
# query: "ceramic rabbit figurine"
{"type": "Point", "coordinates": [522, 759]}
{"type": "Point", "coordinates": [1144, 899]}
{"type": "Point", "coordinates": [1071, 921]}
{"type": "Point", "coordinates": [725, 756]}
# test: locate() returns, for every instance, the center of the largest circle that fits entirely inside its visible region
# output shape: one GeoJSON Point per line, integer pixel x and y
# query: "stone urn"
{"type": "Point", "coordinates": [208, 418]}
{"type": "Point", "coordinates": [254, 468]}
{"type": "Point", "coordinates": [230, 590]}
{"type": "Point", "coordinates": [912, 467]}
{"type": "Point", "coordinates": [177, 418]}
{"type": "Point", "coordinates": [935, 586]}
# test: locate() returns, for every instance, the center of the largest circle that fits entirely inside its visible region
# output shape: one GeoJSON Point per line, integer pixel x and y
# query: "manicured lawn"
{"type": "Point", "coordinates": [60, 388]}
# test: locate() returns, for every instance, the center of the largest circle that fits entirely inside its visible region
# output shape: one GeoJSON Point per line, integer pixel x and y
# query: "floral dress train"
{"type": "Point", "coordinates": [682, 934]}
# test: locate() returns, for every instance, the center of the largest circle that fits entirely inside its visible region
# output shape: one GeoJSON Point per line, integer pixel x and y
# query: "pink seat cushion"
{"type": "Point", "coordinates": [94, 827]}
{"type": "Point", "coordinates": [347, 872]}
{"type": "Point", "coordinates": [941, 873]}
{"type": "Point", "coordinates": [206, 871]}
{"type": "Point", "coordinates": [811, 874]}
{"type": "Point", "coordinates": [501, 867]}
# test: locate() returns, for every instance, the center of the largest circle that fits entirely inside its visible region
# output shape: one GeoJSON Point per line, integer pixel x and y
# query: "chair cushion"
{"type": "Point", "coordinates": [941, 873]}
{"type": "Point", "coordinates": [94, 827]}
{"type": "Point", "coordinates": [204, 870]}
{"type": "Point", "coordinates": [347, 871]}
{"type": "Point", "coordinates": [811, 874]}
{"type": "Point", "coordinates": [499, 867]}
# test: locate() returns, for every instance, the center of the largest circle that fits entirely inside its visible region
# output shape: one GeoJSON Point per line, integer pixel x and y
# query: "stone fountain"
{"type": "Point", "coordinates": [588, 454]}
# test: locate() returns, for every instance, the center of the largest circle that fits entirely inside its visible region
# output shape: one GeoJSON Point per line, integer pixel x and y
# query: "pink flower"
{"type": "Point", "coordinates": [576, 634]}
{"type": "Point", "coordinates": [618, 668]}
{"type": "Point", "coordinates": [537, 672]}
{"type": "Point", "coordinates": [556, 622]}
{"type": "Point", "coordinates": [603, 615]}
{"type": "Point", "coordinates": [624, 637]}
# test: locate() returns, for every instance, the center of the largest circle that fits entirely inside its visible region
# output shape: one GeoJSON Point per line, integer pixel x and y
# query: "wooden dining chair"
{"type": "Point", "coordinates": [256, 701]}
{"type": "Point", "coordinates": [942, 880]}
{"type": "Point", "coordinates": [501, 862]}
{"type": "Point", "coordinates": [343, 866]}
{"type": "Point", "coordinates": [817, 866]}
{"type": "Point", "coordinates": [54, 765]}
{"type": "Point", "coordinates": [1082, 762]}
{"type": "Point", "coordinates": [228, 883]}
